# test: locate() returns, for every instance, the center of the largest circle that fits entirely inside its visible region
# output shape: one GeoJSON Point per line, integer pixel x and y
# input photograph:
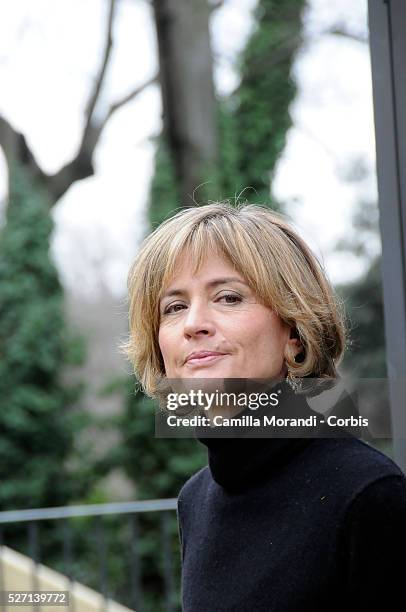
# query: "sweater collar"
{"type": "Point", "coordinates": [240, 461]}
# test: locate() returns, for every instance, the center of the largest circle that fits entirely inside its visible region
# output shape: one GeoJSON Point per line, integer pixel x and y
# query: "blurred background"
{"type": "Point", "coordinates": [114, 113]}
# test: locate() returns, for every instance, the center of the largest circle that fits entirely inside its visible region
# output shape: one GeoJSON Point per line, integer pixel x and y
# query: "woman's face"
{"type": "Point", "coordinates": [217, 316]}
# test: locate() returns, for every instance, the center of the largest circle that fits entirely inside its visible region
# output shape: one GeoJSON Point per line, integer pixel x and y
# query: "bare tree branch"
{"type": "Point", "coordinates": [216, 4]}
{"type": "Point", "coordinates": [16, 149]}
{"type": "Point", "coordinates": [102, 73]}
{"type": "Point", "coordinates": [81, 167]}
{"type": "Point", "coordinates": [339, 31]}
{"type": "Point", "coordinates": [78, 169]}
{"type": "Point", "coordinates": [95, 129]}
{"type": "Point", "coordinates": [130, 96]}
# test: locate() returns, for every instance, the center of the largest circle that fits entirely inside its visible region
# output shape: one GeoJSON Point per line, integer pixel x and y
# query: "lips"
{"type": "Point", "coordinates": [202, 356]}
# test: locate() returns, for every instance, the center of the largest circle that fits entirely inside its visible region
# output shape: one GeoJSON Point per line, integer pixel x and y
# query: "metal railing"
{"type": "Point", "coordinates": [165, 507]}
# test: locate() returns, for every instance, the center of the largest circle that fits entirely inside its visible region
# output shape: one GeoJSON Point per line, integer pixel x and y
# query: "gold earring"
{"type": "Point", "coordinates": [293, 381]}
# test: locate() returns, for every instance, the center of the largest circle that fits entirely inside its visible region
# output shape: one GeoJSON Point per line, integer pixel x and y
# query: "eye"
{"type": "Point", "coordinates": [235, 299]}
{"type": "Point", "coordinates": [173, 308]}
{"type": "Point", "coordinates": [230, 299]}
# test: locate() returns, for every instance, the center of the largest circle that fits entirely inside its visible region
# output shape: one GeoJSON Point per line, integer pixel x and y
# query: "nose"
{"type": "Point", "coordinates": [198, 322]}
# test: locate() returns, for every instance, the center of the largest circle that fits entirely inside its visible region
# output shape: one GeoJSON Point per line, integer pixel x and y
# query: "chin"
{"type": "Point", "coordinates": [206, 372]}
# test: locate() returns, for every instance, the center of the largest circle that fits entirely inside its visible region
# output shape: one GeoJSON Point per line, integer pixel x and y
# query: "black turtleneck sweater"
{"type": "Point", "coordinates": [293, 525]}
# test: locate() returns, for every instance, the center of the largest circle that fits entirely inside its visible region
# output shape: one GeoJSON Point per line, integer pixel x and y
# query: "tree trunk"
{"type": "Point", "coordinates": [186, 77]}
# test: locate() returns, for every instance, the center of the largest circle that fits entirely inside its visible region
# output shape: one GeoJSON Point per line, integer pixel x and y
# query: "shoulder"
{"type": "Point", "coordinates": [340, 469]}
{"type": "Point", "coordinates": [380, 502]}
{"type": "Point", "coordinates": [373, 541]}
{"type": "Point", "coordinates": [351, 460]}
{"type": "Point", "coordinates": [193, 488]}
{"type": "Point", "coordinates": [380, 497]}
{"type": "Point", "coordinates": [191, 500]}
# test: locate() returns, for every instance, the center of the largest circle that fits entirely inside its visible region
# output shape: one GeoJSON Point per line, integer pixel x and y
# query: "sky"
{"type": "Point", "coordinates": [49, 54]}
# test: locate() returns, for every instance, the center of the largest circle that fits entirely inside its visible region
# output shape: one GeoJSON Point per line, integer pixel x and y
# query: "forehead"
{"type": "Point", "coordinates": [188, 269]}
{"type": "Point", "coordinates": [187, 265]}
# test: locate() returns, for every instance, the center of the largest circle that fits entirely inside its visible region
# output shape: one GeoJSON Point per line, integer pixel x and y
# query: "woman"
{"type": "Point", "coordinates": [275, 525]}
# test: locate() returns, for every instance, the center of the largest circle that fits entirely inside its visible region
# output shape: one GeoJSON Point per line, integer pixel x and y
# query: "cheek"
{"type": "Point", "coordinates": [266, 334]}
{"type": "Point", "coordinates": [168, 340]}
{"type": "Point", "coordinates": [164, 344]}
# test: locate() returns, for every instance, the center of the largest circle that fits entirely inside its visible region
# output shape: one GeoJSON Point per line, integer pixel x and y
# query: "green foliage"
{"type": "Point", "coordinates": [39, 417]}
{"type": "Point", "coordinates": [97, 542]}
{"type": "Point", "coordinates": [365, 356]}
{"type": "Point", "coordinates": [259, 107]}
{"type": "Point", "coordinates": [364, 303]}
{"type": "Point", "coordinates": [229, 181]}
{"type": "Point", "coordinates": [159, 467]}
{"type": "Point", "coordinates": [162, 464]}
{"type": "Point", "coordinates": [164, 195]}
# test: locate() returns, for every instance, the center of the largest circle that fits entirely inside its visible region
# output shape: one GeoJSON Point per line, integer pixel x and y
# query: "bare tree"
{"type": "Point", "coordinates": [16, 149]}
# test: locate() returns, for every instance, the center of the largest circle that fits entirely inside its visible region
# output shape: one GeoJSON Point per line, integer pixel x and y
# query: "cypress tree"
{"type": "Point", "coordinates": [39, 417]}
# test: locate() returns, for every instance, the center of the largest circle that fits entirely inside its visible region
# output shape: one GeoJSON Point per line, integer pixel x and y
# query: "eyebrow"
{"type": "Point", "coordinates": [209, 285]}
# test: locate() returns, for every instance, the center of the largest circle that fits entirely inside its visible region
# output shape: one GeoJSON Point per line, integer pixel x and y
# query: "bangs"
{"type": "Point", "coordinates": [198, 245]}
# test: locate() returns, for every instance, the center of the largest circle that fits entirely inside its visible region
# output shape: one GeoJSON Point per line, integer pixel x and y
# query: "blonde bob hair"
{"type": "Point", "coordinates": [268, 253]}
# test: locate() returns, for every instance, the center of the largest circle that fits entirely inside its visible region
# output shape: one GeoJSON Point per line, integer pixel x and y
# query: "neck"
{"type": "Point", "coordinates": [237, 459]}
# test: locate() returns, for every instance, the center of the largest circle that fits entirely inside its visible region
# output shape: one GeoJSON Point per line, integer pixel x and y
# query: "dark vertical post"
{"type": "Point", "coordinates": [387, 25]}
{"type": "Point", "coordinates": [135, 565]}
{"type": "Point", "coordinates": [102, 555]}
{"type": "Point", "coordinates": [68, 559]}
{"type": "Point", "coordinates": [33, 543]}
{"type": "Point", "coordinates": [67, 548]}
{"type": "Point", "coordinates": [168, 562]}
{"type": "Point", "coordinates": [2, 607]}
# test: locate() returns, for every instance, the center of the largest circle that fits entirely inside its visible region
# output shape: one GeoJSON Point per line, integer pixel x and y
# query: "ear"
{"type": "Point", "coordinates": [293, 345]}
